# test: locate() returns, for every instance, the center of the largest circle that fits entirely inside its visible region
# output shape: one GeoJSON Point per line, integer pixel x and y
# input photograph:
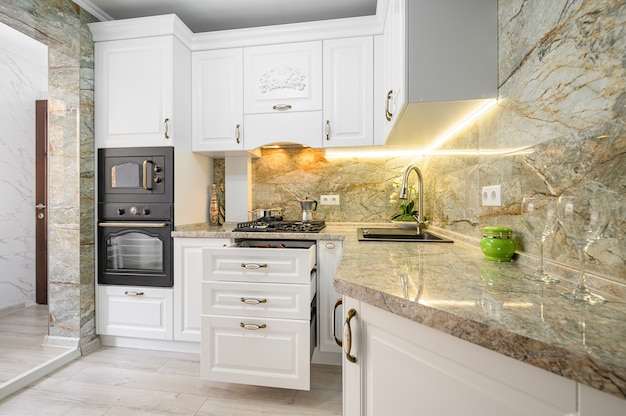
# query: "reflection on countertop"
{"type": "Point", "coordinates": [451, 288]}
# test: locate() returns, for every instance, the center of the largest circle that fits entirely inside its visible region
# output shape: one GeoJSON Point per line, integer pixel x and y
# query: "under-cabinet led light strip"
{"type": "Point", "coordinates": [337, 154]}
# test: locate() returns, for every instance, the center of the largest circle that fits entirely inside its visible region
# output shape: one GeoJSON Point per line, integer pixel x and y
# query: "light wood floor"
{"type": "Point", "coordinates": [22, 335]}
{"type": "Point", "coordinates": [121, 381]}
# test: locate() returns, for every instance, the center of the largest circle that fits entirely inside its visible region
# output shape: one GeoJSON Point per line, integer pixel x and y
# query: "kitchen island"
{"type": "Point", "coordinates": [452, 289]}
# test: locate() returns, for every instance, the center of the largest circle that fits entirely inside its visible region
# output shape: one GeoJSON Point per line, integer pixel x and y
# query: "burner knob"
{"type": "Point", "coordinates": [157, 168]}
{"type": "Point", "coordinates": [157, 179]}
{"type": "Point", "coordinates": [121, 211]}
{"type": "Point", "coordinates": [134, 211]}
{"type": "Point", "coordinates": [146, 211]}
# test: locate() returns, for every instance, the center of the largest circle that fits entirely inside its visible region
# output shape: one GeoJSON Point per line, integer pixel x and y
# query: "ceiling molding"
{"type": "Point", "coordinates": [97, 12]}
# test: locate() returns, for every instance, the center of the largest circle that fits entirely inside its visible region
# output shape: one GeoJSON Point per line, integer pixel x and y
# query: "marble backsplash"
{"type": "Point", "coordinates": [559, 129]}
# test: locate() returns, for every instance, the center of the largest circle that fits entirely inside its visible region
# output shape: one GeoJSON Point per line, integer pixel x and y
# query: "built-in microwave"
{"type": "Point", "coordinates": [136, 174]}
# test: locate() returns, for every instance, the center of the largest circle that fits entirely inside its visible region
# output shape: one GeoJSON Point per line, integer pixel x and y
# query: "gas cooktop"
{"type": "Point", "coordinates": [281, 226]}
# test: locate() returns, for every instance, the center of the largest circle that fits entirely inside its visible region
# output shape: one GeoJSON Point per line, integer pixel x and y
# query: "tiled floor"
{"type": "Point", "coordinates": [130, 382]}
{"type": "Point", "coordinates": [22, 335]}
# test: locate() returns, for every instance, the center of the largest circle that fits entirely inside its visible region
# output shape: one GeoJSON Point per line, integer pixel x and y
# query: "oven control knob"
{"type": "Point", "coordinates": [157, 179]}
{"type": "Point", "coordinates": [134, 211]}
{"type": "Point", "coordinates": [121, 211]}
{"type": "Point", "coordinates": [145, 211]}
{"type": "Point", "coordinates": [157, 168]}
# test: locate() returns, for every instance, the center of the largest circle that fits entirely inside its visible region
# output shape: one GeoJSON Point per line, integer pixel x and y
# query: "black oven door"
{"type": "Point", "coordinates": [135, 253]}
{"type": "Point", "coordinates": [136, 174]}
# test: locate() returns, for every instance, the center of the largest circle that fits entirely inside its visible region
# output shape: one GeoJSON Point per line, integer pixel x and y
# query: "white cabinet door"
{"type": "Point", "coordinates": [598, 403]}
{"type": "Point", "coordinates": [258, 351]}
{"type": "Point", "coordinates": [217, 100]}
{"type": "Point", "coordinates": [441, 367]}
{"type": "Point", "coordinates": [348, 92]}
{"type": "Point", "coordinates": [394, 70]}
{"type": "Point", "coordinates": [329, 254]}
{"type": "Point", "coordinates": [188, 285]}
{"type": "Point", "coordinates": [134, 92]}
{"type": "Point", "coordinates": [283, 78]}
{"type": "Point", "coordinates": [138, 312]}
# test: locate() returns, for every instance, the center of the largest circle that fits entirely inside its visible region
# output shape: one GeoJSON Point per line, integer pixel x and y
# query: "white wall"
{"type": "Point", "coordinates": [23, 80]}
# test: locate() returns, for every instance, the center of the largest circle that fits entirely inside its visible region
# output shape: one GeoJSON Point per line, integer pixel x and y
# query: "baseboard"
{"type": "Point", "coordinates": [23, 380]}
{"type": "Point", "coordinates": [150, 344]}
{"type": "Point", "coordinates": [63, 342]}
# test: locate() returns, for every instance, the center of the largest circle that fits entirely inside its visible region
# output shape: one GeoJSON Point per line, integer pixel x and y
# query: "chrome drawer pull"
{"type": "Point", "coordinates": [253, 266]}
{"type": "Point", "coordinates": [130, 293]}
{"type": "Point", "coordinates": [282, 107]}
{"type": "Point", "coordinates": [252, 327]}
{"type": "Point", "coordinates": [253, 301]}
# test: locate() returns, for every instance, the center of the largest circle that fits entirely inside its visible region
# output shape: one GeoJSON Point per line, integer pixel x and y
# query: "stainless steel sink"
{"type": "Point", "coordinates": [398, 234]}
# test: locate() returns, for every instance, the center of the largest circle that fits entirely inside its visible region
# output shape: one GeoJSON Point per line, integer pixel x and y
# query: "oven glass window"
{"type": "Point", "coordinates": [134, 251]}
{"type": "Point", "coordinates": [126, 175]}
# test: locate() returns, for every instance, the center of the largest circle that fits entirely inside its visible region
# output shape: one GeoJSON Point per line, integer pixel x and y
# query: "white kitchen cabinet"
{"type": "Point", "coordinates": [593, 402]}
{"type": "Point", "coordinates": [188, 285]}
{"type": "Point", "coordinates": [432, 77]}
{"type": "Point", "coordinates": [137, 312]}
{"type": "Point", "coordinates": [394, 63]}
{"type": "Point", "coordinates": [258, 314]}
{"type": "Point", "coordinates": [396, 358]}
{"type": "Point", "coordinates": [283, 94]}
{"type": "Point", "coordinates": [348, 92]}
{"type": "Point", "coordinates": [217, 100]}
{"type": "Point", "coordinates": [329, 254]}
{"type": "Point", "coordinates": [142, 90]}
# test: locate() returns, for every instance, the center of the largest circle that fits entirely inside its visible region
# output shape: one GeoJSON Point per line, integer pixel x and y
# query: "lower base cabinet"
{"type": "Point", "coordinates": [404, 368]}
{"type": "Point", "coordinates": [137, 312]}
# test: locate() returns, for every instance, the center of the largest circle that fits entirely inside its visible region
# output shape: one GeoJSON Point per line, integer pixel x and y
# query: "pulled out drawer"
{"type": "Point", "coordinates": [268, 261]}
{"type": "Point", "coordinates": [272, 300]}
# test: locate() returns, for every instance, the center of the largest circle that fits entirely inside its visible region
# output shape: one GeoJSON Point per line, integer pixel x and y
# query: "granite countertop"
{"type": "Point", "coordinates": [451, 288]}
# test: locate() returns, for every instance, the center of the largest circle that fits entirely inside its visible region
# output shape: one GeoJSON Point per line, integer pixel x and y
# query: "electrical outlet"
{"type": "Point", "coordinates": [329, 200]}
{"type": "Point", "coordinates": [492, 196]}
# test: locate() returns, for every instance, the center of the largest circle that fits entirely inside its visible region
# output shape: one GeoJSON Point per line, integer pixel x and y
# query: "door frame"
{"type": "Point", "coordinates": [41, 202]}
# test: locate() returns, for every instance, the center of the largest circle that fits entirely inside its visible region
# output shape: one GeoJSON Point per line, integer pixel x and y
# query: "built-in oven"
{"type": "Point", "coordinates": [135, 216]}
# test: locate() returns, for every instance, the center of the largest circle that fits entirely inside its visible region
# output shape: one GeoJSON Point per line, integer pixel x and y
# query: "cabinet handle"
{"type": "Point", "coordinates": [347, 336]}
{"type": "Point", "coordinates": [253, 301]}
{"type": "Point", "coordinates": [282, 107]}
{"type": "Point", "coordinates": [253, 266]}
{"type": "Point", "coordinates": [327, 129]}
{"type": "Point", "coordinates": [237, 133]}
{"type": "Point", "coordinates": [252, 327]}
{"type": "Point", "coordinates": [166, 128]}
{"type": "Point", "coordinates": [388, 115]}
{"type": "Point", "coordinates": [132, 293]}
{"type": "Point", "coordinates": [330, 246]}
{"type": "Point", "coordinates": [334, 321]}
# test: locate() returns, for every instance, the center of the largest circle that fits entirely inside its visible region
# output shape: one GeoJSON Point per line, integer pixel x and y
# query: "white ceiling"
{"type": "Point", "coordinates": [211, 15]}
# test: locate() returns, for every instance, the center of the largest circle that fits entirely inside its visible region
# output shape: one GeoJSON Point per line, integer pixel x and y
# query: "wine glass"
{"type": "Point", "coordinates": [583, 220]}
{"type": "Point", "coordinates": [539, 216]}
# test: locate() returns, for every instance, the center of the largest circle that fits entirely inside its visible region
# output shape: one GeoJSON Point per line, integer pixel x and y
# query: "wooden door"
{"type": "Point", "coordinates": [41, 201]}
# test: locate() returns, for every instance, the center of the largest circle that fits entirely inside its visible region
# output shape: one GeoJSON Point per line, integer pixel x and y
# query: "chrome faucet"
{"type": "Point", "coordinates": [404, 194]}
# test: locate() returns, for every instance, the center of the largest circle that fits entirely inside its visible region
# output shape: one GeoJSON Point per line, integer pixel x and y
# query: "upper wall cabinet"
{"type": "Point", "coordinates": [440, 65]}
{"type": "Point", "coordinates": [348, 92]}
{"type": "Point", "coordinates": [283, 94]}
{"type": "Point", "coordinates": [217, 121]}
{"type": "Point", "coordinates": [142, 89]}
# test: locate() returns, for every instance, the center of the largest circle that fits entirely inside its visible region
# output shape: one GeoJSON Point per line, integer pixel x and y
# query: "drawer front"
{"type": "Point", "coordinates": [269, 265]}
{"type": "Point", "coordinates": [138, 312]}
{"type": "Point", "coordinates": [277, 355]}
{"type": "Point", "coordinates": [270, 300]}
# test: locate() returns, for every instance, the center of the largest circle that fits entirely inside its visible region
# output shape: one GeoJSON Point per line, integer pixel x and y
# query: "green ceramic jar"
{"type": "Point", "coordinates": [497, 243]}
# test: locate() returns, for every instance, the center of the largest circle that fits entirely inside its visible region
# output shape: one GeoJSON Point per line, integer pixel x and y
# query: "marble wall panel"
{"type": "Point", "coordinates": [62, 26]}
{"type": "Point", "coordinates": [558, 129]}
